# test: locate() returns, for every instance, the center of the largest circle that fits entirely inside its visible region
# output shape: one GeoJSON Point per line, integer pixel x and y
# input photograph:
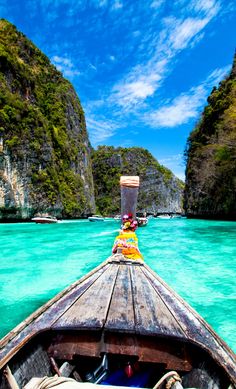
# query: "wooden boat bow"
{"type": "Point", "coordinates": [121, 306]}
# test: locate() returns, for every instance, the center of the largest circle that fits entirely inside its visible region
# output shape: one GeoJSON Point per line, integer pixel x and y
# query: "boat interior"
{"type": "Point", "coordinates": [115, 359]}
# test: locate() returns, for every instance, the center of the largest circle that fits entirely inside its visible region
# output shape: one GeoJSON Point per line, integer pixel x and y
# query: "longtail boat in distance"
{"type": "Point", "coordinates": [120, 325]}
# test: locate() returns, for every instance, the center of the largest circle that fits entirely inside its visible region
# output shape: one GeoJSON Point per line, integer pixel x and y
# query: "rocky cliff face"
{"type": "Point", "coordinates": [45, 162]}
{"type": "Point", "coordinates": [160, 191]}
{"type": "Point", "coordinates": [211, 156]}
{"type": "Point", "coordinates": [45, 154]}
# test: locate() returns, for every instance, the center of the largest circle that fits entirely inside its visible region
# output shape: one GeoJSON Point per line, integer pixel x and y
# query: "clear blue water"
{"type": "Point", "coordinates": [197, 258]}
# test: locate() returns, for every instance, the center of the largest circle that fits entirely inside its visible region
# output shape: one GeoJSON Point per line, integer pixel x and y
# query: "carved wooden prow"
{"type": "Point", "coordinates": [129, 194]}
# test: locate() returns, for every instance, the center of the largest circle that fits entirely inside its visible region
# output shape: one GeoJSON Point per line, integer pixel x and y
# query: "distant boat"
{"type": "Point", "coordinates": [142, 221]}
{"type": "Point", "coordinates": [164, 217]}
{"type": "Point", "coordinates": [46, 219]}
{"type": "Point", "coordinates": [96, 218]}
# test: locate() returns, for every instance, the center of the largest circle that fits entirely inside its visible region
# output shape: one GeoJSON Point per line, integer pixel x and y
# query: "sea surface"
{"type": "Point", "coordinates": [197, 258]}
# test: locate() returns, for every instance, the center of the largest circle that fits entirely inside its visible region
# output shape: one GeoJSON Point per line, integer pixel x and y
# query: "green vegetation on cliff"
{"type": "Point", "coordinates": [43, 129]}
{"type": "Point", "coordinates": [159, 188]}
{"type": "Point", "coordinates": [211, 156]}
{"type": "Point", "coordinates": [45, 155]}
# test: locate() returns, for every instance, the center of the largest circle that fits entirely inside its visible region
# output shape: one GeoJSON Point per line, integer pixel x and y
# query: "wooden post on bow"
{"type": "Point", "coordinates": [129, 194]}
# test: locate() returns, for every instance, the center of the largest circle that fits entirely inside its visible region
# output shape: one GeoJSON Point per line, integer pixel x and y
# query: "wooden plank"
{"type": "Point", "coordinates": [121, 312]}
{"type": "Point", "coordinates": [151, 314]}
{"type": "Point", "coordinates": [44, 317]}
{"type": "Point", "coordinates": [69, 299]}
{"type": "Point", "coordinates": [194, 326]}
{"type": "Point", "coordinates": [148, 349]}
{"type": "Point", "coordinates": [67, 345]}
{"type": "Point", "coordinates": [186, 319]}
{"type": "Point", "coordinates": [90, 311]}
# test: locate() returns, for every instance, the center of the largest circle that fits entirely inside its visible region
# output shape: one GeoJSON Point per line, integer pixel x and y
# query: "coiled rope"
{"type": "Point", "coordinates": [174, 378]}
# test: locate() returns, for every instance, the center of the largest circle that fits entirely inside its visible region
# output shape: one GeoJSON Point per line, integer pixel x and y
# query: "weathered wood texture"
{"type": "Point", "coordinates": [146, 349]}
{"type": "Point", "coordinates": [44, 317]}
{"type": "Point", "coordinates": [36, 364]}
{"type": "Point", "coordinates": [126, 297]}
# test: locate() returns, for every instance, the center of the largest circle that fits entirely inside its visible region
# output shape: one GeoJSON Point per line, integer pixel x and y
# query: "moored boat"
{"type": "Point", "coordinates": [96, 218]}
{"type": "Point", "coordinates": [142, 221]}
{"type": "Point", "coordinates": [164, 216]}
{"type": "Point", "coordinates": [44, 219]}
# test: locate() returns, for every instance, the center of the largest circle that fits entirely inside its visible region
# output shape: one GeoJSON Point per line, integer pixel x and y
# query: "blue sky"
{"type": "Point", "coordinates": [142, 69]}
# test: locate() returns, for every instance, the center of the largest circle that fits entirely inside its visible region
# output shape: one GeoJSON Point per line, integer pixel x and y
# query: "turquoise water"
{"type": "Point", "coordinates": [195, 257]}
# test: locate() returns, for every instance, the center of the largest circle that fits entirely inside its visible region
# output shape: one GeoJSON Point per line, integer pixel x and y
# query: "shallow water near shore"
{"type": "Point", "coordinates": [195, 257]}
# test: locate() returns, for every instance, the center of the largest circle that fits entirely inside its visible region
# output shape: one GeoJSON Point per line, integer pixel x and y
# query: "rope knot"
{"type": "Point", "coordinates": [173, 380]}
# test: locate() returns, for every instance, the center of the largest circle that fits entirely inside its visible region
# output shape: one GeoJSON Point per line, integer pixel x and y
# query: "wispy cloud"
{"type": "Point", "coordinates": [157, 49]}
{"type": "Point", "coordinates": [175, 163]}
{"type": "Point", "coordinates": [157, 3]}
{"type": "Point", "coordinates": [187, 105]}
{"type": "Point", "coordinates": [117, 5]}
{"type": "Point", "coordinates": [211, 7]}
{"type": "Point", "coordinates": [177, 34]}
{"type": "Point", "coordinates": [135, 93]}
{"type": "Point", "coordinates": [130, 93]}
{"type": "Point", "coordinates": [173, 158]}
{"type": "Point", "coordinates": [139, 85]}
{"type": "Point", "coordinates": [182, 108]}
{"type": "Point", "coordinates": [184, 31]}
{"type": "Point", "coordinates": [101, 3]}
{"type": "Point", "coordinates": [100, 129]}
{"type": "Point", "coordinates": [65, 66]}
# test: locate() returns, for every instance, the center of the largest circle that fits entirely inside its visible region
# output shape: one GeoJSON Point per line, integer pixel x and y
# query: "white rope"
{"type": "Point", "coordinates": [173, 374]}
{"type": "Point", "coordinates": [10, 378]}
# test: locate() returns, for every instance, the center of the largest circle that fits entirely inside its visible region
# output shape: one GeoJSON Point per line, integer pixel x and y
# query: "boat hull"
{"type": "Point", "coordinates": [44, 220]}
{"type": "Point", "coordinates": [125, 310]}
{"type": "Point", "coordinates": [95, 218]}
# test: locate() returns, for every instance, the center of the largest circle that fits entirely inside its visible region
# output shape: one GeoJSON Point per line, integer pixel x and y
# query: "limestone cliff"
{"type": "Point", "coordinates": [160, 191]}
{"type": "Point", "coordinates": [45, 160]}
{"type": "Point", "coordinates": [211, 156]}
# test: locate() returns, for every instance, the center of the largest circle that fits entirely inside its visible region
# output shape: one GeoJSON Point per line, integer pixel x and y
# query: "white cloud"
{"type": "Point", "coordinates": [173, 158]}
{"type": "Point", "coordinates": [179, 112]}
{"type": "Point", "coordinates": [130, 93]}
{"type": "Point", "coordinates": [211, 7]}
{"type": "Point", "coordinates": [100, 130]}
{"type": "Point", "coordinates": [117, 5]}
{"type": "Point", "coordinates": [177, 34]}
{"type": "Point", "coordinates": [218, 74]}
{"type": "Point", "coordinates": [157, 3]}
{"type": "Point", "coordinates": [187, 105]}
{"type": "Point", "coordinates": [62, 61]}
{"type": "Point", "coordinates": [100, 3]}
{"type": "Point", "coordinates": [175, 163]}
{"type": "Point", "coordinates": [138, 86]}
{"type": "Point", "coordinates": [64, 65]}
{"type": "Point", "coordinates": [92, 67]}
{"type": "Point", "coordinates": [183, 108]}
{"type": "Point", "coordinates": [136, 33]}
{"type": "Point", "coordinates": [184, 31]}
